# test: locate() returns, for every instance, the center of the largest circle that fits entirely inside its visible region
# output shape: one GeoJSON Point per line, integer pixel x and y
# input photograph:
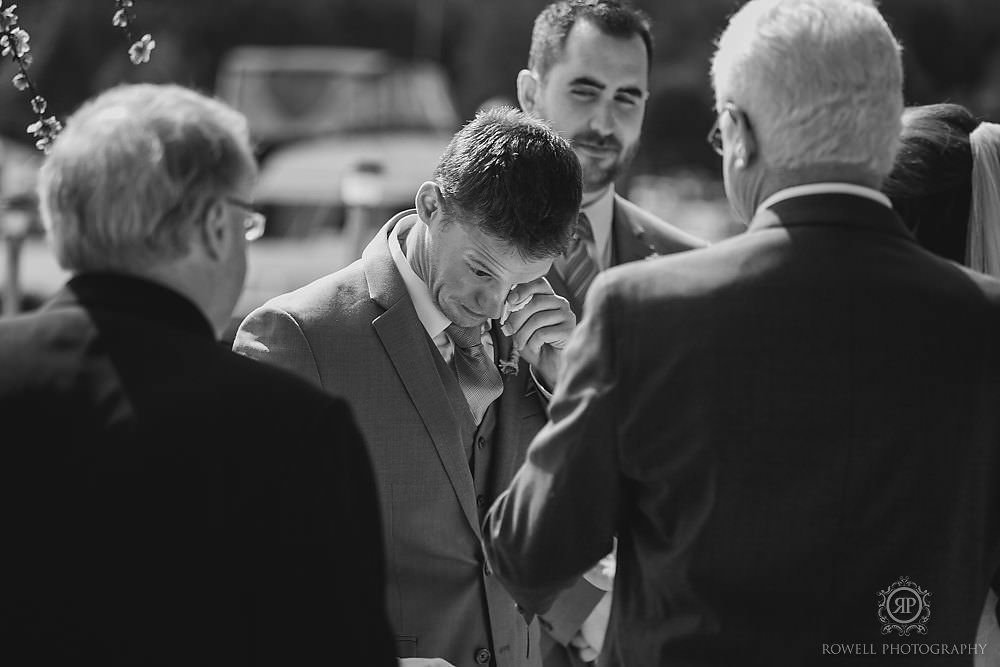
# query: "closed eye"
{"type": "Point", "coordinates": [479, 273]}
{"type": "Point", "coordinates": [627, 100]}
{"type": "Point", "coordinates": [585, 93]}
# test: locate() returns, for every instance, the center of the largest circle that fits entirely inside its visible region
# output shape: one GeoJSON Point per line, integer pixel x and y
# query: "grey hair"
{"type": "Point", "coordinates": [820, 80]}
{"type": "Point", "coordinates": [127, 180]}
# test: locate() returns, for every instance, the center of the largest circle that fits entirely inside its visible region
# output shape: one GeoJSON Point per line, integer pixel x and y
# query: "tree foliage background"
{"type": "Point", "coordinates": [951, 52]}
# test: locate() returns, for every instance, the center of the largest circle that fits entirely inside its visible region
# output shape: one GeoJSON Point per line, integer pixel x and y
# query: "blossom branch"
{"type": "Point", "coordinates": [141, 48]}
{"type": "Point", "coordinates": [14, 43]}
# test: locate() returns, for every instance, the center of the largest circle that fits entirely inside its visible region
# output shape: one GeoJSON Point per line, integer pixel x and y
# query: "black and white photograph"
{"type": "Point", "coordinates": [520, 333]}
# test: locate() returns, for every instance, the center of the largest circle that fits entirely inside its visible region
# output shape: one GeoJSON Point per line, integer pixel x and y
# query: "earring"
{"type": "Point", "coordinates": [739, 163]}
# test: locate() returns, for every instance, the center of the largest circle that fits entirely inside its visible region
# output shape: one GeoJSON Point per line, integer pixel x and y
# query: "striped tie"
{"type": "Point", "coordinates": [576, 266]}
{"type": "Point", "coordinates": [479, 378]}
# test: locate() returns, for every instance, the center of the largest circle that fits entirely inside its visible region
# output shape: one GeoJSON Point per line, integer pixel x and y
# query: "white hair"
{"type": "Point", "coordinates": [125, 182]}
{"type": "Point", "coordinates": [820, 81]}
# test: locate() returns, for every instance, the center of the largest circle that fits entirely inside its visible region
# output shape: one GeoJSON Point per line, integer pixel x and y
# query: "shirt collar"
{"type": "Point", "coordinates": [823, 188]}
{"type": "Point", "coordinates": [430, 316]}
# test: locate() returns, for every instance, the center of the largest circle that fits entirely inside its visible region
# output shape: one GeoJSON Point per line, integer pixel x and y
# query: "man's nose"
{"type": "Point", "coordinates": [490, 302]}
{"type": "Point", "coordinates": [602, 120]}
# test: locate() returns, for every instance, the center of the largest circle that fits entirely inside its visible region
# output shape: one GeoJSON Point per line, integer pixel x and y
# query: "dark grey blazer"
{"type": "Point", "coordinates": [777, 428]}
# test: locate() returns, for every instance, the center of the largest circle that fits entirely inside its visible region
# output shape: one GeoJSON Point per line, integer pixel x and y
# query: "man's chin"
{"type": "Point", "coordinates": [464, 317]}
{"type": "Point", "coordinates": [594, 181]}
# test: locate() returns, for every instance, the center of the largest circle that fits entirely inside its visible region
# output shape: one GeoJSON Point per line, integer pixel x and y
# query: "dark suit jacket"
{"type": "Point", "coordinates": [777, 428]}
{"type": "Point", "coordinates": [168, 502]}
{"type": "Point", "coordinates": [635, 234]}
{"type": "Point", "coordinates": [355, 333]}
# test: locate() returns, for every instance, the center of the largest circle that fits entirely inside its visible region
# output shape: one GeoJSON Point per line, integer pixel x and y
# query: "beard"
{"type": "Point", "coordinates": [596, 176]}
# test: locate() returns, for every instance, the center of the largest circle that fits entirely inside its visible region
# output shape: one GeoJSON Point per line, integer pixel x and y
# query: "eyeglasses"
{"type": "Point", "coordinates": [714, 137]}
{"type": "Point", "coordinates": [253, 223]}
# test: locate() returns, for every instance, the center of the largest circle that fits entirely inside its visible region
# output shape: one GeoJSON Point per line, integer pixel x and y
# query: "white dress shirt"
{"type": "Point", "coordinates": [600, 213]}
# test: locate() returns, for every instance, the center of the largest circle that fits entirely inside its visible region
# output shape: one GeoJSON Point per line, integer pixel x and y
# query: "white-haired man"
{"type": "Point", "coordinates": [785, 426]}
{"type": "Point", "coordinates": [164, 500]}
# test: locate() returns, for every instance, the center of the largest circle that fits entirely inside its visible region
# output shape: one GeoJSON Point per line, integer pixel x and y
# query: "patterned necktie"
{"type": "Point", "coordinates": [576, 266]}
{"type": "Point", "coordinates": [479, 378]}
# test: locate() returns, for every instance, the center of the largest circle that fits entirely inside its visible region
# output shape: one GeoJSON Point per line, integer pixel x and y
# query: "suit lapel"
{"type": "Point", "coordinates": [404, 339]}
{"type": "Point", "coordinates": [628, 237]}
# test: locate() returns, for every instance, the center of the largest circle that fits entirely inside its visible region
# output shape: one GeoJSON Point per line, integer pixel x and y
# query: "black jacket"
{"type": "Point", "coordinates": [166, 501]}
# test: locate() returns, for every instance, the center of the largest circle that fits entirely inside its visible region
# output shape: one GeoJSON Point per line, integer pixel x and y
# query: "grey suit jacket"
{"type": "Point", "coordinates": [355, 333]}
{"type": "Point", "coordinates": [776, 428]}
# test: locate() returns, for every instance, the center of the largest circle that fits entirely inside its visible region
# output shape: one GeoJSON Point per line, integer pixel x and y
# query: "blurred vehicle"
{"type": "Point", "coordinates": [337, 127]}
{"type": "Point", "coordinates": [23, 283]}
{"type": "Point", "coordinates": [345, 137]}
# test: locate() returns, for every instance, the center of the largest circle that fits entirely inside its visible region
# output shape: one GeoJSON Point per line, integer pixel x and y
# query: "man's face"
{"type": "Point", "coordinates": [595, 96]}
{"type": "Point", "coordinates": [471, 273]}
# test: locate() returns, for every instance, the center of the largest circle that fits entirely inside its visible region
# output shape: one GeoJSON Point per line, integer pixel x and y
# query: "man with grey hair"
{"type": "Point", "coordinates": [812, 462]}
{"type": "Point", "coordinates": [166, 501]}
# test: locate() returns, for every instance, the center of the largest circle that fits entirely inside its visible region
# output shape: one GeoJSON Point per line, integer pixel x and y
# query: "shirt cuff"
{"type": "Point", "coordinates": [542, 389]}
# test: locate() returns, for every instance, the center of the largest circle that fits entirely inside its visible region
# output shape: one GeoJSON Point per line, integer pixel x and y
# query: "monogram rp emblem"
{"type": "Point", "coordinates": [903, 608]}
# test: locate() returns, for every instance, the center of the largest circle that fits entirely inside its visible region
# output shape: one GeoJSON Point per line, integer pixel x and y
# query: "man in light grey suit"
{"type": "Point", "coordinates": [409, 334]}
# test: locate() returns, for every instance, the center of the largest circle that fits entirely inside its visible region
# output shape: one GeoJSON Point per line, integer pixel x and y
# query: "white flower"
{"type": "Point", "coordinates": [140, 51]}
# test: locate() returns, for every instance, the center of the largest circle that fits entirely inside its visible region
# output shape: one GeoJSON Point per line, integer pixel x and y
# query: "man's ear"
{"type": "Point", "coordinates": [428, 202]}
{"type": "Point", "coordinates": [745, 143]}
{"type": "Point", "coordinates": [528, 87]}
{"type": "Point", "coordinates": [215, 231]}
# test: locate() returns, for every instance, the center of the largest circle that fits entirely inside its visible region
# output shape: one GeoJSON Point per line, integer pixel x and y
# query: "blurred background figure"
{"type": "Point", "coordinates": [946, 184]}
{"type": "Point", "coordinates": [153, 512]}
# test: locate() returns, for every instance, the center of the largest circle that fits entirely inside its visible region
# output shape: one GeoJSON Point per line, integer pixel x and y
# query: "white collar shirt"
{"type": "Point", "coordinates": [600, 213]}
{"type": "Point", "coordinates": [823, 189]}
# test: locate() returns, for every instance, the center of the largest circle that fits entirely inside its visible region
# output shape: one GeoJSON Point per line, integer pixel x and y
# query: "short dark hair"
{"type": "Point", "coordinates": [617, 18]}
{"type": "Point", "coordinates": [930, 185]}
{"type": "Point", "coordinates": [516, 178]}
